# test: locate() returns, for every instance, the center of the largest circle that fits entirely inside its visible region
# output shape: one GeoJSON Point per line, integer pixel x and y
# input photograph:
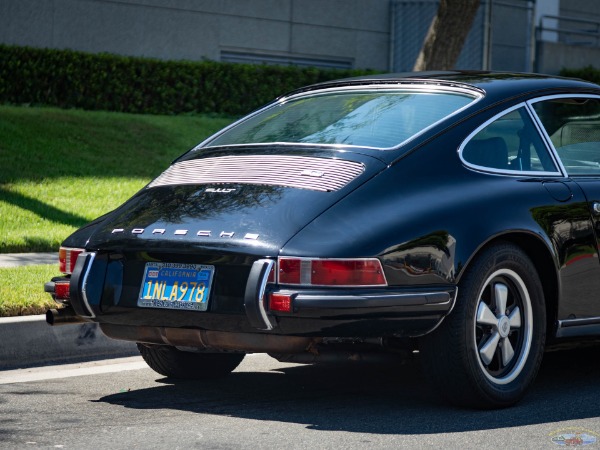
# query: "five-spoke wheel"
{"type": "Point", "coordinates": [488, 350]}
{"type": "Point", "coordinates": [503, 326]}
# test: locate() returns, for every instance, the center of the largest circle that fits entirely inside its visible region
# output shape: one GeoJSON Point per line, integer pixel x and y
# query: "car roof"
{"type": "Point", "coordinates": [494, 84]}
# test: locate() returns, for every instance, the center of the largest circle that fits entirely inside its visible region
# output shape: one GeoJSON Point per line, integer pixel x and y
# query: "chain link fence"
{"type": "Point", "coordinates": [509, 22]}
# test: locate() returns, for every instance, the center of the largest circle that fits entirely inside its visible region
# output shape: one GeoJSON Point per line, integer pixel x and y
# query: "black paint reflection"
{"type": "Point", "coordinates": [178, 204]}
{"type": "Point", "coordinates": [429, 258]}
{"type": "Point", "coordinates": [568, 226]}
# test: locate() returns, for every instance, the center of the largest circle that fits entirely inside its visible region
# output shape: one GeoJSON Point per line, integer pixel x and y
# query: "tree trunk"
{"type": "Point", "coordinates": [447, 34]}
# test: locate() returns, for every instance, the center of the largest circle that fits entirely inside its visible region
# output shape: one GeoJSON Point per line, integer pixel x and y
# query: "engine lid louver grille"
{"type": "Point", "coordinates": [301, 172]}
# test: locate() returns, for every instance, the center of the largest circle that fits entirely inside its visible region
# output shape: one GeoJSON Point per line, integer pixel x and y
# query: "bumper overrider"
{"type": "Point", "coordinates": [279, 326]}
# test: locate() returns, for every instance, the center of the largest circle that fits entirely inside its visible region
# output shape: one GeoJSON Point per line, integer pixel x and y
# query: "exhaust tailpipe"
{"type": "Point", "coordinates": [63, 316]}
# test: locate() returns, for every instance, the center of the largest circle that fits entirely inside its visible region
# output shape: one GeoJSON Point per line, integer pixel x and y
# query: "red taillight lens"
{"type": "Point", "coordinates": [331, 272]}
{"type": "Point", "coordinates": [280, 302]}
{"type": "Point", "coordinates": [347, 272]}
{"type": "Point", "coordinates": [67, 257]}
{"type": "Point", "coordinates": [289, 270]}
{"type": "Point", "coordinates": [61, 290]}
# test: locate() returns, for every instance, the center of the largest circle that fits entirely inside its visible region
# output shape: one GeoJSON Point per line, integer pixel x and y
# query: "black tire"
{"type": "Point", "coordinates": [480, 356]}
{"type": "Point", "coordinates": [174, 363]}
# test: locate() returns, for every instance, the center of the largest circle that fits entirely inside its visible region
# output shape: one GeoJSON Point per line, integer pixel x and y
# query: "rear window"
{"type": "Point", "coordinates": [377, 118]}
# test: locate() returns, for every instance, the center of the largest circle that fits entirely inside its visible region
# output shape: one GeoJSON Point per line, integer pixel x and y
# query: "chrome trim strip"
{"type": "Point", "coordinates": [567, 323]}
{"type": "Point", "coordinates": [373, 299]}
{"type": "Point", "coordinates": [84, 285]}
{"type": "Point", "coordinates": [542, 131]}
{"type": "Point", "coordinates": [254, 295]}
{"type": "Point", "coordinates": [261, 293]}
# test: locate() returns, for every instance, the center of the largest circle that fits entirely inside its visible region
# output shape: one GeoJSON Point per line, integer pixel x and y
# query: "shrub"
{"type": "Point", "coordinates": [588, 73]}
{"type": "Point", "coordinates": [71, 79]}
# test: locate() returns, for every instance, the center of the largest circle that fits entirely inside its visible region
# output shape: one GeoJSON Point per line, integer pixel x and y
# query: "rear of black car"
{"type": "Point", "coordinates": [212, 256]}
{"type": "Point", "coordinates": [200, 261]}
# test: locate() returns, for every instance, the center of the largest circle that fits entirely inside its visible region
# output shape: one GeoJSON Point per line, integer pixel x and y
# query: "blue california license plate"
{"type": "Point", "coordinates": [176, 286]}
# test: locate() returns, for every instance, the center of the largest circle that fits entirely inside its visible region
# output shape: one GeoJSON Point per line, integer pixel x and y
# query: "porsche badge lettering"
{"type": "Point", "coordinates": [179, 232]}
{"type": "Point", "coordinates": [220, 190]}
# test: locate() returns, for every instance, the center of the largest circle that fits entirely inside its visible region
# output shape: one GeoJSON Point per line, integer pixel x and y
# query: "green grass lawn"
{"type": "Point", "coordinates": [22, 290]}
{"type": "Point", "coordinates": [62, 168]}
{"type": "Point", "coordinates": [59, 169]}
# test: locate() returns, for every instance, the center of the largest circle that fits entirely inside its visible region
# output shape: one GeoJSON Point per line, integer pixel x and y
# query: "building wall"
{"type": "Point", "coordinates": [326, 33]}
{"type": "Point", "coordinates": [339, 33]}
{"type": "Point", "coordinates": [566, 43]}
{"type": "Point", "coordinates": [581, 9]}
{"type": "Point", "coordinates": [554, 56]}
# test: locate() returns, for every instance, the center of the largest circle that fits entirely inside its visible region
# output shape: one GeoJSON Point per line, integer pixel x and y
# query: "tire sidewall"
{"type": "Point", "coordinates": [501, 257]}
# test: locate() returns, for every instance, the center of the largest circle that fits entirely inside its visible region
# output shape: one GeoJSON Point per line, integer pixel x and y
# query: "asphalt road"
{"type": "Point", "coordinates": [121, 404]}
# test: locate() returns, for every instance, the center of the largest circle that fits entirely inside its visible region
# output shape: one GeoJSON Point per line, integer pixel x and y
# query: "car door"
{"type": "Point", "coordinates": [515, 144]}
{"type": "Point", "coordinates": [572, 126]}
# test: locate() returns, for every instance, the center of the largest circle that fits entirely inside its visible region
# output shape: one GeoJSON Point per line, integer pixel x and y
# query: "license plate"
{"type": "Point", "coordinates": [176, 286]}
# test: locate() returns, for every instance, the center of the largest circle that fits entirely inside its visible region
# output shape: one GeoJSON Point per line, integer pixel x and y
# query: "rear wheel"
{"type": "Point", "coordinates": [487, 352]}
{"type": "Point", "coordinates": [174, 363]}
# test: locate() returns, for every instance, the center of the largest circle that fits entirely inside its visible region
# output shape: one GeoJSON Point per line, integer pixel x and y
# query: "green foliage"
{"type": "Point", "coordinates": [62, 168]}
{"type": "Point", "coordinates": [70, 79]}
{"type": "Point", "coordinates": [588, 73]}
{"type": "Point", "coordinates": [22, 290]}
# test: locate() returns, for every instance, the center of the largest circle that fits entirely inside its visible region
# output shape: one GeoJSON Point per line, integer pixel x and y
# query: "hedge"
{"type": "Point", "coordinates": [72, 79]}
{"type": "Point", "coordinates": [588, 73]}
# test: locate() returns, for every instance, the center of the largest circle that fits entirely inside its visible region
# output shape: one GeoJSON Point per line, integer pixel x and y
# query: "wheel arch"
{"type": "Point", "coordinates": [542, 257]}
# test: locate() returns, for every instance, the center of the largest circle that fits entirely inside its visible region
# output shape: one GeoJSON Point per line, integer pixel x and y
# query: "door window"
{"type": "Point", "coordinates": [573, 125]}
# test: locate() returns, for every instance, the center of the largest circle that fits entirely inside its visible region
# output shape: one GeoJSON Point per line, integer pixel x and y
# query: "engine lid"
{"type": "Point", "coordinates": [218, 200]}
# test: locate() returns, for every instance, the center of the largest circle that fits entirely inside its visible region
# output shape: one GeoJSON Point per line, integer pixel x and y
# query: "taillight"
{"type": "Point", "coordinates": [61, 290]}
{"type": "Point", "coordinates": [331, 272]}
{"type": "Point", "coordinates": [289, 270]}
{"type": "Point", "coordinates": [280, 302]}
{"type": "Point", "coordinates": [67, 257]}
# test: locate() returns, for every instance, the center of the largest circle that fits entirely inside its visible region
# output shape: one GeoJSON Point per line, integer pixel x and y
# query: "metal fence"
{"type": "Point", "coordinates": [501, 37]}
{"type": "Point", "coordinates": [569, 30]}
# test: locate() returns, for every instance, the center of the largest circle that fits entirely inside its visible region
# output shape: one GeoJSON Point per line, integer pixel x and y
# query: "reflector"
{"type": "Point", "coordinates": [280, 302]}
{"type": "Point", "coordinates": [61, 290]}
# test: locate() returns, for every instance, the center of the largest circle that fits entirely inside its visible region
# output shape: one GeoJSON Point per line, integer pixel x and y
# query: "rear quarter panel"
{"type": "Point", "coordinates": [427, 215]}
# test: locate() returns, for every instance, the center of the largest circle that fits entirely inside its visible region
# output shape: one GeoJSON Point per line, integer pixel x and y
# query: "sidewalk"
{"type": "Point", "coordinates": [28, 341]}
{"type": "Point", "coordinates": [27, 259]}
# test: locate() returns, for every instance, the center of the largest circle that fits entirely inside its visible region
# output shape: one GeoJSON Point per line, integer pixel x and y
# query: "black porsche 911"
{"type": "Point", "coordinates": [456, 214]}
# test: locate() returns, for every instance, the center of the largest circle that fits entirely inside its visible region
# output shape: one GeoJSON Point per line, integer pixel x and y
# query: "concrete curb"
{"type": "Point", "coordinates": [28, 341]}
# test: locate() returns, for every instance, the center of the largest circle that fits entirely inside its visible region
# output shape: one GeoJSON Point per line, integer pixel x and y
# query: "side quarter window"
{"type": "Point", "coordinates": [509, 143]}
{"type": "Point", "coordinates": [573, 125]}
